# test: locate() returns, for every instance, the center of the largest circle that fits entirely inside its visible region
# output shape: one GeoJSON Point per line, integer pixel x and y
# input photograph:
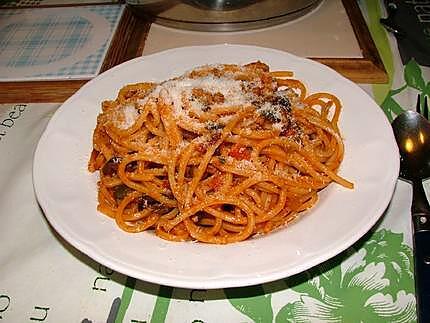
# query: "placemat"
{"type": "Point", "coordinates": [41, 3]}
{"type": "Point", "coordinates": [43, 278]}
{"type": "Point", "coordinates": [55, 43]}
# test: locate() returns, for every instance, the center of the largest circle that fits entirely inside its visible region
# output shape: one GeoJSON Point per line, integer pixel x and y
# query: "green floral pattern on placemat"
{"type": "Point", "coordinates": [368, 283]}
{"type": "Point", "coordinates": [413, 79]}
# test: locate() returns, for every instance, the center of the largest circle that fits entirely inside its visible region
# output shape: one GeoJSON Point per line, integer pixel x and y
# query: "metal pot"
{"type": "Point", "coordinates": [221, 15]}
{"type": "Point", "coordinates": [221, 4]}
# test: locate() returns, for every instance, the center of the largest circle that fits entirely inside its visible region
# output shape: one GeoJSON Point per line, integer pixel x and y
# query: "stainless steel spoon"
{"type": "Point", "coordinates": [412, 132]}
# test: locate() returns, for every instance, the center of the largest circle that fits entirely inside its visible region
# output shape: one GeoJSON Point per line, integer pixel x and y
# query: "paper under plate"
{"type": "Point", "coordinates": [67, 193]}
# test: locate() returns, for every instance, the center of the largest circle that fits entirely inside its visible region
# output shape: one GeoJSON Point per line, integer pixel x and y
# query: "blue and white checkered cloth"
{"type": "Point", "coordinates": [43, 45]}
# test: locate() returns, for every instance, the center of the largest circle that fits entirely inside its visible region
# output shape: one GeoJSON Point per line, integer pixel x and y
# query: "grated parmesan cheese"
{"type": "Point", "coordinates": [270, 112]}
{"type": "Point", "coordinates": [245, 165]}
{"type": "Point", "coordinates": [128, 116]}
{"type": "Point", "coordinates": [179, 90]}
{"type": "Point", "coordinates": [278, 126]}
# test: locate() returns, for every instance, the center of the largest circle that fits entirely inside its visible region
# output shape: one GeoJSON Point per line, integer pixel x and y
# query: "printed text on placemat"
{"type": "Point", "coordinates": [10, 119]}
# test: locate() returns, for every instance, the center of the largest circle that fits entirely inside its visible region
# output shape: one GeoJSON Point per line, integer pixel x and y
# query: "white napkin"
{"type": "Point", "coordinates": [41, 276]}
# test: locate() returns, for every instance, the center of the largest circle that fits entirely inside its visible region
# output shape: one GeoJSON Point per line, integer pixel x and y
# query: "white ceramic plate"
{"type": "Point", "coordinates": [66, 191]}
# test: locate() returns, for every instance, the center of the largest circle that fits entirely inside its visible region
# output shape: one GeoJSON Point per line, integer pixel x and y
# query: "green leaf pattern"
{"type": "Point", "coordinates": [387, 308]}
{"type": "Point", "coordinates": [398, 262]}
{"type": "Point", "coordinates": [367, 283]}
{"type": "Point", "coordinates": [413, 76]}
{"type": "Point", "coordinates": [413, 79]}
{"type": "Point", "coordinates": [255, 304]}
{"type": "Point", "coordinates": [308, 309]}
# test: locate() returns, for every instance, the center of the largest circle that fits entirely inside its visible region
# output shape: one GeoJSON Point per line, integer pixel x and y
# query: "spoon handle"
{"type": "Point", "coordinates": [420, 208]}
{"type": "Point", "coordinates": [421, 222]}
{"type": "Point", "coordinates": [422, 275]}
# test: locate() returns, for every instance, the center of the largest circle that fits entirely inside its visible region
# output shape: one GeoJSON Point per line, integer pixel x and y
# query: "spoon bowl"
{"type": "Point", "coordinates": [412, 132]}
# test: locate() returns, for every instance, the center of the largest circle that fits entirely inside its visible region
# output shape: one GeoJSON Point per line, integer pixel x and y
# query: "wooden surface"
{"type": "Point", "coordinates": [129, 41]}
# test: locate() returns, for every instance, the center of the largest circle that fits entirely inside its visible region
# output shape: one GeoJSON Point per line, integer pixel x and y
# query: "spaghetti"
{"type": "Point", "coordinates": [217, 155]}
